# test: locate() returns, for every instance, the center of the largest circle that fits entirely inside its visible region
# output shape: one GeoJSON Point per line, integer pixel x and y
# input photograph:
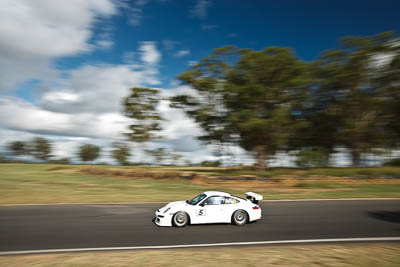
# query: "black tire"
{"type": "Point", "coordinates": [180, 219]}
{"type": "Point", "coordinates": [239, 217]}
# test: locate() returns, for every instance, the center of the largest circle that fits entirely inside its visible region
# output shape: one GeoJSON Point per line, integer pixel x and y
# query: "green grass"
{"type": "Point", "coordinates": [50, 183]}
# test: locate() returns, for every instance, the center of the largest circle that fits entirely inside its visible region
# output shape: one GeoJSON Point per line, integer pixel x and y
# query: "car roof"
{"type": "Point", "coordinates": [217, 193]}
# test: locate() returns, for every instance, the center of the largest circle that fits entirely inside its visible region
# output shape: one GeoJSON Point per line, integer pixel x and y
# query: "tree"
{"type": "Point", "coordinates": [347, 97]}
{"type": "Point", "coordinates": [61, 161]}
{"type": "Point", "coordinates": [311, 158]}
{"type": "Point", "coordinates": [40, 148]}
{"type": "Point", "coordinates": [17, 148]}
{"type": "Point", "coordinates": [3, 159]}
{"type": "Point", "coordinates": [206, 105]}
{"type": "Point", "coordinates": [176, 157]}
{"type": "Point", "coordinates": [121, 153]}
{"type": "Point", "coordinates": [141, 106]}
{"type": "Point", "coordinates": [390, 93]}
{"type": "Point", "coordinates": [88, 152]}
{"type": "Point", "coordinates": [209, 163]}
{"type": "Point", "coordinates": [251, 98]}
{"type": "Point", "coordinates": [387, 79]}
{"type": "Point", "coordinates": [158, 154]}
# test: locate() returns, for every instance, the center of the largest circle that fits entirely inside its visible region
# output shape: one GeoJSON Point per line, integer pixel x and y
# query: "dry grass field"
{"type": "Point", "coordinates": [363, 255]}
{"type": "Point", "coordinates": [50, 183]}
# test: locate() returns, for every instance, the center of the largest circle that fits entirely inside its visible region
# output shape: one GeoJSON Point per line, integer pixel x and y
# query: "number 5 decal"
{"type": "Point", "coordinates": [200, 212]}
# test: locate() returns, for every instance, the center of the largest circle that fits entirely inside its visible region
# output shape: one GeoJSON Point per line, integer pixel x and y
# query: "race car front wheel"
{"type": "Point", "coordinates": [180, 219]}
{"type": "Point", "coordinates": [239, 217]}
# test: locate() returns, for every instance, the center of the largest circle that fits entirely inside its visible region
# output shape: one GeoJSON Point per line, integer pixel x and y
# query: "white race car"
{"type": "Point", "coordinates": [211, 207]}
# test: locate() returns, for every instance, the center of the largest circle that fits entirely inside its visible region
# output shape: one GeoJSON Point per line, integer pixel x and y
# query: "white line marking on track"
{"type": "Point", "coordinates": [365, 239]}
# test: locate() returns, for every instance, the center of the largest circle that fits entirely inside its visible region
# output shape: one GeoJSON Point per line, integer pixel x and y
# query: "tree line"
{"type": "Point", "coordinates": [41, 149]}
{"type": "Point", "coordinates": [271, 101]}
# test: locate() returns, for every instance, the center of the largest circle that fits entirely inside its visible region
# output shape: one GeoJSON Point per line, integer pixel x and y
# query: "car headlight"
{"type": "Point", "coordinates": [167, 209]}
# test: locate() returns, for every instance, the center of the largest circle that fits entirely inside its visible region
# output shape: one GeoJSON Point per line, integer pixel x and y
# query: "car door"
{"type": "Point", "coordinates": [211, 210]}
{"type": "Point", "coordinates": [231, 205]}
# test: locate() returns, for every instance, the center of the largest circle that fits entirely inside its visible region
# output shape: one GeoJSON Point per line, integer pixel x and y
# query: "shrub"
{"type": "Point", "coordinates": [312, 158]}
{"type": "Point", "coordinates": [393, 162]}
{"type": "Point", "coordinates": [207, 163]}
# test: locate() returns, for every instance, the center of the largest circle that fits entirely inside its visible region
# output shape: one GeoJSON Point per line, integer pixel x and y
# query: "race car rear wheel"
{"type": "Point", "coordinates": [180, 219]}
{"type": "Point", "coordinates": [239, 217]}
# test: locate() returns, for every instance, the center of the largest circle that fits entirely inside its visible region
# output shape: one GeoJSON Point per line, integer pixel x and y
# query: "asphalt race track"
{"type": "Point", "coordinates": [120, 225]}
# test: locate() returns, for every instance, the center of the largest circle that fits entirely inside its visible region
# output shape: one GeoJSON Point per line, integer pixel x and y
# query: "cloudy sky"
{"type": "Point", "coordinates": [65, 65]}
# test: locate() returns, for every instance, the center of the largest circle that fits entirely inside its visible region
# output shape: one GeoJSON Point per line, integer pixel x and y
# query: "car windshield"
{"type": "Point", "coordinates": [197, 199]}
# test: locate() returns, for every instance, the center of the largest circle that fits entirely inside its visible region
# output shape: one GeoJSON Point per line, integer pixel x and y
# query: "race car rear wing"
{"type": "Point", "coordinates": [253, 197]}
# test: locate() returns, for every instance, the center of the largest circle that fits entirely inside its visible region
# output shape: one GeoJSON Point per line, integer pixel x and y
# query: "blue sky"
{"type": "Point", "coordinates": [308, 26]}
{"type": "Point", "coordinates": [66, 65]}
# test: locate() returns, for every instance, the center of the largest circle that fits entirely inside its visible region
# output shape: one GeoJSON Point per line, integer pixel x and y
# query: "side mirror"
{"type": "Point", "coordinates": [202, 204]}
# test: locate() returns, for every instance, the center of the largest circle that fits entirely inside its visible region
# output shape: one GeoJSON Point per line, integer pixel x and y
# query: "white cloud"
{"type": "Point", "coordinates": [17, 70]}
{"type": "Point", "coordinates": [61, 97]}
{"type": "Point", "coordinates": [104, 39]}
{"type": "Point", "coordinates": [100, 88]}
{"type": "Point", "coordinates": [135, 11]}
{"type": "Point", "coordinates": [182, 53]}
{"type": "Point", "coordinates": [149, 53]}
{"type": "Point", "coordinates": [17, 114]}
{"type": "Point", "coordinates": [104, 44]}
{"type": "Point", "coordinates": [94, 88]}
{"type": "Point", "coordinates": [56, 28]}
{"type": "Point", "coordinates": [177, 124]}
{"type": "Point", "coordinates": [200, 10]}
{"type": "Point", "coordinates": [32, 33]}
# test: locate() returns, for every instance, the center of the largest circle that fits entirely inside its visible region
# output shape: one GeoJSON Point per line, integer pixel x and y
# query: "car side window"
{"type": "Point", "coordinates": [214, 201]}
{"type": "Point", "coordinates": [230, 200]}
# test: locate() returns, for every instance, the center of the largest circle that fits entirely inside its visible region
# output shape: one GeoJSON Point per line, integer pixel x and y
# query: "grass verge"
{"type": "Point", "coordinates": [49, 183]}
{"type": "Point", "coordinates": [371, 254]}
